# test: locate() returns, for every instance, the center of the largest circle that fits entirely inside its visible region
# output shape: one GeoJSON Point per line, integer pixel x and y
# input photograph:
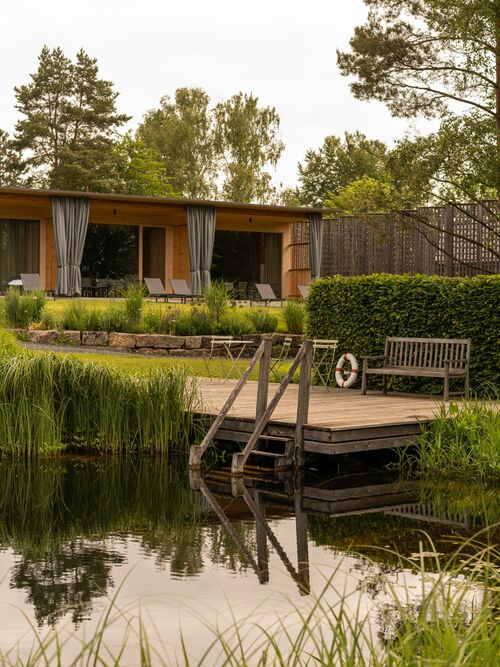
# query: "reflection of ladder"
{"type": "Point", "coordinates": [292, 450]}
{"type": "Point", "coordinates": [299, 574]}
{"type": "Point", "coordinates": [426, 512]}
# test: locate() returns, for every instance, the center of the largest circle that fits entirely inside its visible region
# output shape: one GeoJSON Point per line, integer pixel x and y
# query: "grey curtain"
{"type": "Point", "coordinates": [201, 234]}
{"type": "Point", "coordinates": [315, 243]}
{"type": "Point", "coordinates": [70, 218]}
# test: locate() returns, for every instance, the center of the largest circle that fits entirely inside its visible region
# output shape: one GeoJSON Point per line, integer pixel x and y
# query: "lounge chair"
{"type": "Point", "coordinates": [156, 289]}
{"type": "Point", "coordinates": [181, 289]}
{"type": "Point", "coordinates": [266, 293]}
{"type": "Point", "coordinates": [31, 282]}
{"type": "Point", "coordinates": [304, 291]}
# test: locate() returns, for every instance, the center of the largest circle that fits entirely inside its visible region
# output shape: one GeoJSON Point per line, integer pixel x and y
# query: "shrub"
{"type": "Point", "coordinates": [114, 318]}
{"type": "Point", "coordinates": [196, 322]}
{"type": "Point", "coordinates": [294, 315]}
{"type": "Point", "coordinates": [362, 310]}
{"type": "Point", "coordinates": [154, 321]}
{"type": "Point", "coordinates": [216, 299]}
{"type": "Point", "coordinates": [48, 319]}
{"type": "Point", "coordinates": [263, 320]}
{"type": "Point", "coordinates": [234, 324]}
{"type": "Point", "coordinates": [22, 310]}
{"type": "Point", "coordinates": [78, 315]}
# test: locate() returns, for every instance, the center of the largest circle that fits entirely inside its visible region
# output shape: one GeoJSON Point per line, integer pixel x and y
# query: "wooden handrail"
{"type": "Point", "coordinates": [197, 451]}
{"type": "Point", "coordinates": [304, 355]}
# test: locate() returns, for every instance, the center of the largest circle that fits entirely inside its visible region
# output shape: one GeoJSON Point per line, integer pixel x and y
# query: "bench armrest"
{"type": "Point", "coordinates": [462, 360]}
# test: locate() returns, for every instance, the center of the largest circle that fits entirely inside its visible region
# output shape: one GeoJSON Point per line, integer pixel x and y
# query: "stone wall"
{"type": "Point", "coordinates": [149, 344]}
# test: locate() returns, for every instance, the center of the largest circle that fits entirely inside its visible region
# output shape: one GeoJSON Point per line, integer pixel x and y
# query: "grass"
{"type": "Point", "coordinates": [452, 620]}
{"type": "Point", "coordinates": [50, 404]}
{"type": "Point", "coordinates": [463, 440]}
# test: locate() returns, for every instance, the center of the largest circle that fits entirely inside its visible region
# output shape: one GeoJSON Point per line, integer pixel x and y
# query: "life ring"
{"type": "Point", "coordinates": [339, 375]}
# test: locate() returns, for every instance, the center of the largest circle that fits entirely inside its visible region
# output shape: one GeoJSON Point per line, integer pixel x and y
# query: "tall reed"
{"type": "Point", "coordinates": [20, 310]}
{"type": "Point", "coordinates": [49, 404]}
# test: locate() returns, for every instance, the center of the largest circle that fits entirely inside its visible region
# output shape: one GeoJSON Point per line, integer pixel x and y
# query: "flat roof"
{"type": "Point", "coordinates": [170, 201]}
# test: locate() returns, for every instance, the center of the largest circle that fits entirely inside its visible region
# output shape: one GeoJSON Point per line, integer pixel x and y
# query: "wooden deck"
{"type": "Point", "coordinates": [339, 420]}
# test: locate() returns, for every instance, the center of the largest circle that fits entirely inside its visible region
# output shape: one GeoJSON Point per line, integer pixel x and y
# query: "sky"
{"type": "Point", "coordinates": [282, 51]}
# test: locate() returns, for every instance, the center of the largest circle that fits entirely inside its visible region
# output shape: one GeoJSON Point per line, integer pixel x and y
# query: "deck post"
{"type": "Point", "coordinates": [303, 402]}
{"type": "Point", "coordinates": [263, 384]}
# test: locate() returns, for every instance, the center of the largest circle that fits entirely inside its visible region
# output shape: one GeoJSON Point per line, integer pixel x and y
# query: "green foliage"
{"type": "Point", "coordinates": [361, 311]}
{"type": "Point", "coordinates": [79, 316]}
{"type": "Point", "coordinates": [194, 322]}
{"type": "Point", "coordinates": [134, 302]}
{"type": "Point", "coordinates": [263, 320]}
{"type": "Point", "coordinates": [363, 195]}
{"type": "Point", "coordinates": [12, 166]}
{"type": "Point", "coordinates": [336, 163]}
{"type": "Point", "coordinates": [247, 141]}
{"type": "Point", "coordinates": [235, 324]}
{"type": "Point", "coordinates": [137, 169]}
{"type": "Point", "coordinates": [294, 314]}
{"type": "Point", "coordinates": [21, 310]}
{"type": "Point", "coordinates": [418, 57]}
{"type": "Point", "coordinates": [463, 442]}
{"type": "Point", "coordinates": [8, 343]}
{"type": "Point", "coordinates": [49, 403]}
{"type": "Point", "coordinates": [216, 299]}
{"type": "Point", "coordinates": [48, 319]}
{"type": "Point", "coordinates": [68, 122]}
{"type": "Point", "coordinates": [114, 318]}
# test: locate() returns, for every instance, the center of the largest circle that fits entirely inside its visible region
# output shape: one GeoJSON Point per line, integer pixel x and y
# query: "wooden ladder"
{"type": "Point", "coordinates": [264, 411]}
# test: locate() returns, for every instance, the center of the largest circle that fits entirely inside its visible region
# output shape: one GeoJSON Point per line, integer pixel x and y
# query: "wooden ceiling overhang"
{"type": "Point", "coordinates": [30, 203]}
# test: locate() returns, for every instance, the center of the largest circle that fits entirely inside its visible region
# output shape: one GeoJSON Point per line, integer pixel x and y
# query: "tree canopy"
{"type": "Point", "coordinates": [69, 120]}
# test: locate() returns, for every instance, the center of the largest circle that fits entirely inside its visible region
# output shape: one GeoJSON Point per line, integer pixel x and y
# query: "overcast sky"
{"type": "Point", "coordinates": [283, 51]}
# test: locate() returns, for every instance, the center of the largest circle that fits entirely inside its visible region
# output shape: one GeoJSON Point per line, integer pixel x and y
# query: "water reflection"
{"type": "Point", "coordinates": [71, 524]}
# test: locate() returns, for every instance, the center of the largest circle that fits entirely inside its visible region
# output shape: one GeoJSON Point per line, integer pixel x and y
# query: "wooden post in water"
{"type": "Point", "coordinates": [303, 402]}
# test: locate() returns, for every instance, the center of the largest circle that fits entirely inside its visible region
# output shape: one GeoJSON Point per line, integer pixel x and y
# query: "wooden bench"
{"type": "Point", "coordinates": [423, 357]}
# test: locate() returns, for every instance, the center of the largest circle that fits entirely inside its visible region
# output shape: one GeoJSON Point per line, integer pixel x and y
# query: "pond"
{"type": "Point", "coordinates": [197, 555]}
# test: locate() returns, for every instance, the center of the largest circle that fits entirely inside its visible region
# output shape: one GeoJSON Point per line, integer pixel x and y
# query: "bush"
{"type": "Point", "coordinates": [294, 315]}
{"type": "Point", "coordinates": [114, 318]}
{"type": "Point", "coordinates": [134, 301]}
{"type": "Point", "coordinates": [48, 319]}
{"type": "Point", "coordinates": [263, 320]}
{"type": "Point", "coordinates": [22, 310]}
{"type": "Point", "coordinates": [77, 315]}
{"type": "Point", "coordinates": [196, 322]}
{"type": "Point", "coordinates": [234, 324]}
{"type": "Point", "coordinates": [362, 310]}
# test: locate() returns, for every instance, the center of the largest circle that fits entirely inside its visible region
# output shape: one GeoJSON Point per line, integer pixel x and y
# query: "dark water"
{"type": "Point", "coordinates": [185, 551]}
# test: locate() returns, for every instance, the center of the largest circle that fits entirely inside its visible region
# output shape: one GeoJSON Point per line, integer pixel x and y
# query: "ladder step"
{"type": "Point", "coordinates": [273, 455]}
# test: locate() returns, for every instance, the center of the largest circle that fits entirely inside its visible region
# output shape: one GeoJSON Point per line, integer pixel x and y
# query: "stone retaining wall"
{"type": "Point", "coordinates": [149, 344]}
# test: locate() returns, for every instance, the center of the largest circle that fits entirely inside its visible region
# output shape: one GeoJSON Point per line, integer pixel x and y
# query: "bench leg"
{"type": "Point", "coordinates": [446, 392]}
{"type": "Point", "coordinates": [467, 385]}
{"type": "Point", "coordinates": [385, 384]}
{"type": "Point", "coordinates": [363, 377]}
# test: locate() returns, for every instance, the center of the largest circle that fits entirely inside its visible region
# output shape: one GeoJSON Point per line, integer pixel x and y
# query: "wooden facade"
{"type": "Point", "coordinates": [161, 225]}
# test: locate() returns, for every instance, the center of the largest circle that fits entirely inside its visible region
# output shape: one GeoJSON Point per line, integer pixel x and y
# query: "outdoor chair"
{"type": "Point", "coordinates": [304, 291]}
{"type": "Point", "coordinates": [266, 293]}
{"type": "Point", "coordinates": [181, 289]}
{"type": "Point", "coordinates": [156, 289]}
{"type": "Point", "coordinates": [283, 355]}
{"type": "Point", "coordinates": [324, 360]}
{"type": "Point", "coordinates": [31, 282]}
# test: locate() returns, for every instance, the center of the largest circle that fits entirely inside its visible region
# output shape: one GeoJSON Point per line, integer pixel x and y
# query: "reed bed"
{"type": "Point", "coordinates": [51, 404]}
{"type": "Point", "coordinates": [451, 620]}
{"type": "Point", "coordinates": [463, 440]}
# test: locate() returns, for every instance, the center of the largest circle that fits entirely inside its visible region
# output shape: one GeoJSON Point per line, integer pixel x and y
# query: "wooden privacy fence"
{"type": "Point", "coordinates": [451, 240]}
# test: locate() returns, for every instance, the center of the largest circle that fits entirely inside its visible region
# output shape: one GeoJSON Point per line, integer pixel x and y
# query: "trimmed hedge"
{"type": "Point", "coordinates": [362, 310]}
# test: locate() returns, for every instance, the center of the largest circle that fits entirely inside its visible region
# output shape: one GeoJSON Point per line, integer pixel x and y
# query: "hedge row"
{"type": "Point", "coordinates": [362, 310]}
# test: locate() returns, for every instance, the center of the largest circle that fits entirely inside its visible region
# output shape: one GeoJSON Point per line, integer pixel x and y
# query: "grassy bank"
{"type": "Point", "coordinates": [451, 620]}
{"type": "Point", "coordinates": [464, 440]}
{"type": "Point", "coordinates": [51, 404]}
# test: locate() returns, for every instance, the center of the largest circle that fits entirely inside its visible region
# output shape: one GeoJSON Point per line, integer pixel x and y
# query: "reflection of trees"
{"type": "Point", "coordinates": [67, 579]}
{"type": "Point", "coordinates": [57, 516]}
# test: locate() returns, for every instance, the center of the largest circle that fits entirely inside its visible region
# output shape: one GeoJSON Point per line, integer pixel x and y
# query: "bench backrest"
{"type": "Point", "coordinates": [427, 352]}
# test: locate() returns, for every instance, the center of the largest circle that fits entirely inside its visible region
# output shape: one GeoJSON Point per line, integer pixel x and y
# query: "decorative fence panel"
{"type": "Point", "coordinates": [451, 240]}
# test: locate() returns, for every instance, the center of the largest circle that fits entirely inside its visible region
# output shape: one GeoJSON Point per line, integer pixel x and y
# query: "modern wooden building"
{"type": "Point", "coordinates": [110, 237]}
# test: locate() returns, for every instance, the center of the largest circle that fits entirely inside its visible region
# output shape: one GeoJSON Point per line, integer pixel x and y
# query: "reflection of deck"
{"type": "Point", "coordinates": [339, 420]}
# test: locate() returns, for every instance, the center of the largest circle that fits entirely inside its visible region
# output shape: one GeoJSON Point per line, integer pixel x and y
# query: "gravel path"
{"type": "Point", "coordinates": [47, 347]}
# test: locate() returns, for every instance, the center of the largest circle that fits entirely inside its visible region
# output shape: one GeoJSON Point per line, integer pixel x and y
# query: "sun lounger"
{"type": "Point", "coordinates": [31, 282]}
{"type": "Point", "coordinates": [156, 289]}
{"type": "Point", "coordinates": [266, 293]}
{"type": "Point", "coordinates": [181, 290]}
{"type": "Point", "coordinates": [304, 291]}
